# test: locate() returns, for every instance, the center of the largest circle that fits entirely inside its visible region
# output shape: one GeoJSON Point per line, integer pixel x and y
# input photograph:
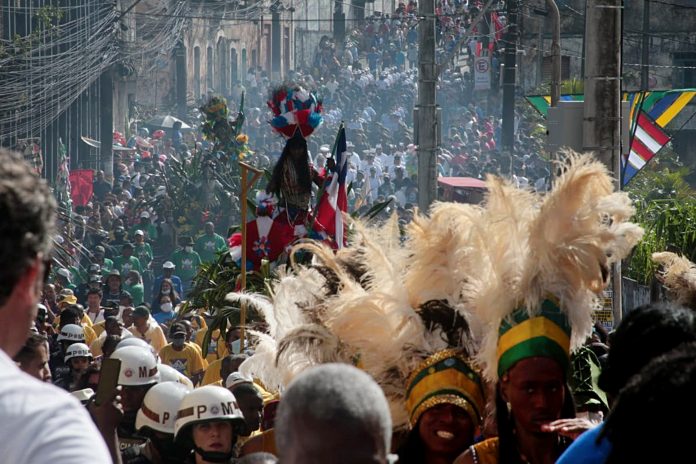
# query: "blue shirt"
{"type": "Point", "coordinates": [586, 450]}
{"type": "Point", "coordinates": [158, 282]}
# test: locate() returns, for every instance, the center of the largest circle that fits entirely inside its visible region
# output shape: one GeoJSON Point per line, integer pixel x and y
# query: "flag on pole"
{"type": "Point", "coordinates": [648, 139]}
{"type": "Point", "coordinates": [334, 201]}
{"type": "Point", "coordinates": [81, 186]}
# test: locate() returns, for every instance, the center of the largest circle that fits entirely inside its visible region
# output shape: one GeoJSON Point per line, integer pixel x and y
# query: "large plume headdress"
{"type": "Point", "coordinates": [564, 250]}
{"type": "Point", "coordinates": [295, 110]}
{"type": "Point", "coordinates": [365, 317]}
{"type": "Point", "coordinates": [678, 275]}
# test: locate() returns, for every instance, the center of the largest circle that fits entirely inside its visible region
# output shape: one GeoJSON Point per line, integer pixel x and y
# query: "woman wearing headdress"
{"type": "Point", "coordinates": [296, 116]}
{"type": "Point", "coordinates": [540, 308]}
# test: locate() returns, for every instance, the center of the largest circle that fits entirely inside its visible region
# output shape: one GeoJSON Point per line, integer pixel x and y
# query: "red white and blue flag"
{"type": "Point", "coordinates": [334, 201]}
{"type": "Point", "coordinates": [648, 139]}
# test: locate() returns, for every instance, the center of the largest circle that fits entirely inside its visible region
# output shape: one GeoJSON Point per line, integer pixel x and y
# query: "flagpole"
{"type": "Point", "coordinates": [321, 191]}
{"type": "Point", "coordinates": [246, 186]}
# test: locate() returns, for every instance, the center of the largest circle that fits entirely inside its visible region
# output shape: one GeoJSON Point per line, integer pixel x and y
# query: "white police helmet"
{"type": "Point", "coordinates": [138, 366]}
{"type": "Point", "coordinates": [204, 404]}
{"type": "Point", "coordinates": [72, 333]}
{"type": "Point", "coordinates": [77, 350]}
{"type": "Point", "coordinates": [160, 406]}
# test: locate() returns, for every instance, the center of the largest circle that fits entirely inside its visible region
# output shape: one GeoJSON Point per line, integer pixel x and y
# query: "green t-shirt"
{"type": "Point", "coordinates": [125, 265]}
{"type": "Point", "coordinates": [208, 246]}
{"type": "Point", "coordinates": [186, 265]}
{"type": "Point", "coordinates": [107, 267]}
{"type": "Point", "coordinates": [137, 292]}
{"type": "Point", "coordinates": [144, 253]}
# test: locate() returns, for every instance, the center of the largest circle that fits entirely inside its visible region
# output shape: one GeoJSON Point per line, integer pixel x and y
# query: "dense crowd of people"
{"type": "Point", "coordinates": [366, 355]}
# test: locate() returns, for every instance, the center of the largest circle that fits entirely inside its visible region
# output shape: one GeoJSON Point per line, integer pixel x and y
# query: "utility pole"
{"type": "Point", "coordinates": [509, 77]}
{"type": "Point", "coordinates": [180, 54]}
{"type": "Point", "coordinates": [602, 111]}
{"type": "Point", "coordinates": [427, 127]}
{"type": "Point", "coordinates": [339, 21]}
{"type": "Point", "coordinates": [645, 49]}
{"type": "Point", "coordinates": [106, 116]}
{"type": "Point", "coordinates": [555, 53]}
{"type": "Point", "coordinates": [275, 43]}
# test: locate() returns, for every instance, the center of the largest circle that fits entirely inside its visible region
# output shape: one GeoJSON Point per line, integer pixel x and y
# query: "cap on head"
{"type": "Point", "coordinates": [145, 215]}
{"type": "Point", "coordinates": [168, 265]}
{"type": "Point", "coordinates": [141, 311]}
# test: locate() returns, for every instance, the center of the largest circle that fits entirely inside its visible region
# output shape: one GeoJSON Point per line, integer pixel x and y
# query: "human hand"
{"type": "Point", "coordinates": [108, 415]}
{"type": "Point", "coordinates": [571, 428]}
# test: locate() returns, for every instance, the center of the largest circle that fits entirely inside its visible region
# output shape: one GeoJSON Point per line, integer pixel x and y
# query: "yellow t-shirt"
{"type": "Point", "coordinates": [217, 349]}
{"type": "Point", "coordinates": [99, 327]}
{"type": "Point", "coordinates": [187, 361]}
{"type": "Point", "coordinates": [212, 373]}
{"type": "Point", "coordinates": [153, 335]}
{"type": "Point", "coordinates": [90, 336]}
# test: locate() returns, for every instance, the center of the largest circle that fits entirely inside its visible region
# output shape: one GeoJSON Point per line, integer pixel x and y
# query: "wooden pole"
{"type": "Point", "coordinates": [246, 186]}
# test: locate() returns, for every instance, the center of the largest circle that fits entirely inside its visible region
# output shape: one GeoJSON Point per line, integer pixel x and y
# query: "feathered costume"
{"type": "Point", "coordinates": [412, 313]}
{"type": "Point", "coordinates": [678, 275]}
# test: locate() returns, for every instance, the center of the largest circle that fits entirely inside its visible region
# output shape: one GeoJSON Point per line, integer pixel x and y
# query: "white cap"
{"type": "Point", "coordinates": [237, 378]}
{"type": "Point", "coordinates": [160, 406]}
{"type": "Point", "coordinates": [324, 149]}
{"type": "Point", "coordinates": [145, 214]}
{"type": "Point", "coordinates": [139, 232]}
{"type": "Point", "coordinates": [64, 272]}
{"type": "Point", "coordinates": [168, 265]}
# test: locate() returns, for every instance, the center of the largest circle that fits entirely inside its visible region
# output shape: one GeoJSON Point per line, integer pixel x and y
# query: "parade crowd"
{"type": "Point", "coordinates": [412, 345]}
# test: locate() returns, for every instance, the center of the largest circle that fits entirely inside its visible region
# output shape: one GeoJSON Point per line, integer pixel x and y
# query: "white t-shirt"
{"type": "Point", "coordinates": [41, 423]}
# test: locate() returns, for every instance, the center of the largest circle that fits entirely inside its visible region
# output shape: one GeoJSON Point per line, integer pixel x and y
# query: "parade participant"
{"type": "Point", "coordinates": [217, 348]}
{"type": "Point", "coordinates": [326, 408]}
{"type": "Point", "coordinates": [222, 368]}
{"type": "Point", "coordinates": [155, 420]}
{"type": "Point", "coordinates": [112, 327]}
{"type": "Point", "coordinates": [210, 244]}
{"type": "Point", "coordinates": [165, 310]}
{"type": "Point", "coordinates": [662, 391]}
{"type": "Point", "coordinates": [134, 287]}
{"type": "Point", "coordinates": [149, 229]}
{"type": "Point", "coordinates": [126, 262]}
{"type": "Point", "coordinates": [187, 261]}
{"type": "Point", "coordinates": [146, 328]}
{"type": "Point", "coordinates": [249, 401]}
{"type": "Point", "coordinates": [113, 288]}
{"type": "Point", "coordinates": [166, 289]}
{"type": "Point", "coordinates": [77, 358]}
{"type": "Point", "coordinates": [40, 423]}
{"type": "Point", "coordinates": [167, 273]}
{"type": "Point", "coordinates": [536, 303]}
{"type": "Point", "coordinates": [137, 376]}
{"type": "Point", "coordinates": [645, 333]}
{"type": "Point", "coordinates": [181, 356]}
{"type": "Point", "coordinates": [33, 358]}
{"type": "Point", "coordinates": [208, 424]}
{"type": "Point", "coordinates": [98, 257]}
{"type": "Point", "coordinates": [94, 309]}
{"type": "Point", "coordinates": [69, 334]}
{"type": "Point", "coordinates": [143, 251]}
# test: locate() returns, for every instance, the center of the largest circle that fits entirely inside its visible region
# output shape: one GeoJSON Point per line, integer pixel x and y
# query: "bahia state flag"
{"type": "Point", "coordinates": [334, 200]}
{"type": "Point", "coordinates": [648, 139]}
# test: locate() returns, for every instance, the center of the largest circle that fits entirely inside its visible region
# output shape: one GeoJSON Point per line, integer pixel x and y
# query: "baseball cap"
{"type": "Point", "coordinates": [139, 232]}
{"type": "Point", "coordinates": [168, 265]}
{"type": "Point", "coordinates": [145, 214]}
{"type": "Point", "coordinates": [64, 272]}
{"type": "Point", "coordinates": [236, 378]}
{"type": "Point", "coordinates": [69, 299]}
{"type": "Point", "coordinates": [99, 249]}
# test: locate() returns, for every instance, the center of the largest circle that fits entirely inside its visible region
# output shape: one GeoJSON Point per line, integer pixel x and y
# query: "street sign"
{"type": "Point", "coordinates": [482, 73]}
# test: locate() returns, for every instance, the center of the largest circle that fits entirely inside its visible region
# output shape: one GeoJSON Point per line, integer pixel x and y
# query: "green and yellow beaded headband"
{"type": "Point", "coordinates": [444, 378]}
{"type": "Point", "coordinates": [546, 334]}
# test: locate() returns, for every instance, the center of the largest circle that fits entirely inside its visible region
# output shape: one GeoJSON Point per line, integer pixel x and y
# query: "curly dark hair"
{"type": "Point", "coordinates": [644, 333]}
{"type": "Point", "coordinates": [28, 212]}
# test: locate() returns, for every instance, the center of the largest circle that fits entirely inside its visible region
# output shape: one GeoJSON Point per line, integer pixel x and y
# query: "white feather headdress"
{"type": "Point", "coordinates": [678, 275]}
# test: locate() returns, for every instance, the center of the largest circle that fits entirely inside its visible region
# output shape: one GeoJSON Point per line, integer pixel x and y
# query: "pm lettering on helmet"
{"type": "Point", "coordinates": [165, 417]}
{"type": "Point", "coordinates": [142, 372]}
{"type": "Point", "coordinates": [229, 407]}
{"type": "Point", "coordinates": [201, 409]}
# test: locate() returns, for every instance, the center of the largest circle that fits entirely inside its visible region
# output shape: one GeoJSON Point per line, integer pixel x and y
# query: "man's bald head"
{"type": "Point", "coordinates": [333, 413]}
